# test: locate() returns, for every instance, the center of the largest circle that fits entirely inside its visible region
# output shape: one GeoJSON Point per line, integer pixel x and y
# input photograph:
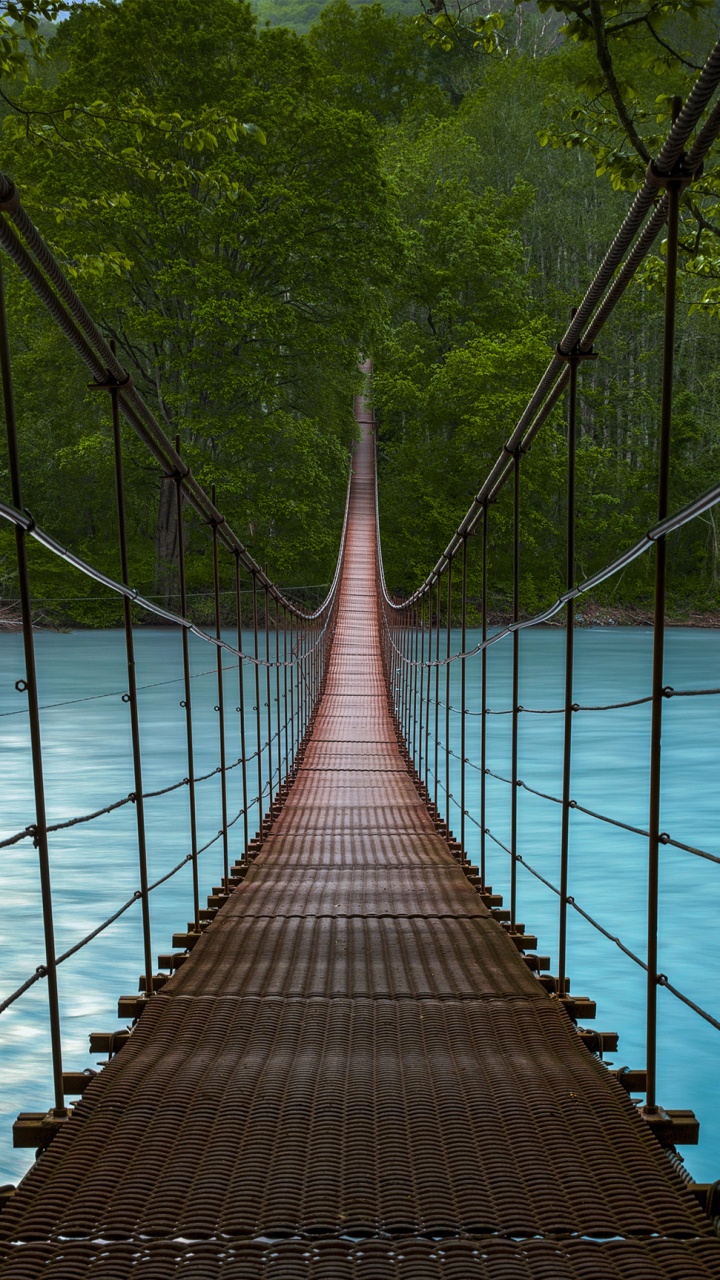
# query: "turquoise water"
{"type": "Point", "coordinates": [94, 866]}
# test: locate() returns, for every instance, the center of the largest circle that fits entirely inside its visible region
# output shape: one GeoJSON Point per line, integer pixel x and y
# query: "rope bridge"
{"type": "Point", "coordinates": [355, 1063]}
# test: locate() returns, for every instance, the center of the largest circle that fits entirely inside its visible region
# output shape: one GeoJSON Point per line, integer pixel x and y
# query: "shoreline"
{"type": "Point", "coordinates": [589, 615]}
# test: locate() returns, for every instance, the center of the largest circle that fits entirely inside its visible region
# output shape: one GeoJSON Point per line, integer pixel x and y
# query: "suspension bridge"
{"type": "Point", "coordinates": [353, 1062]}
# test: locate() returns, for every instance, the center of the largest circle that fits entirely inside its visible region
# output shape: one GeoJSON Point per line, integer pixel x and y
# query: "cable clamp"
{"type": "Point", "coordinates": [577, 353]}
{"type": "Point", "coordinates": [679, 176]}
{"type": "Point", "coordinates": [111, 383]}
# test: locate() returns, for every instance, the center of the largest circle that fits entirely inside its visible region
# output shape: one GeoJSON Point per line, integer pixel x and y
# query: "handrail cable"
{"type": "Point", "coordinates": [41, 971]}
{"type": "Point", "coordinates": [662, 978]}
{"type": "Point", "coordinates": [668, 692]}
{"type": "Point", "coordinates": [665, 839]}
{"type": "Point", "coordinates": [35, 257]}
{"type": "Point", "coordinates": [29, 832]}
{"type": "Point", "coordinates": [23, 520]}
{"type": "Point", "coordinates": [595, 303]}
{"type": "Point", "coordinates": [681, 517]}
{"type": "Point", "coordinates": [662, 981]}
{"type": "Point", "coordinates": [118, 693]}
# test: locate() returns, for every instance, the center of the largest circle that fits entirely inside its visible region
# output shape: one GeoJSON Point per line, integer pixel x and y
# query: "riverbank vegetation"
{"type": "Point", "coordinates": [246, 201]}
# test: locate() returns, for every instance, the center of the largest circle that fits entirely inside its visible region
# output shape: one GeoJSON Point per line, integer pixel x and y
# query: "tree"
{"type": "Point", "coordinates": [231, 231]}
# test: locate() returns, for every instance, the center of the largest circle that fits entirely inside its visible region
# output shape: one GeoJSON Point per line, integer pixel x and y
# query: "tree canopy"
{"type": "Point", "coordinates": [245, 209]}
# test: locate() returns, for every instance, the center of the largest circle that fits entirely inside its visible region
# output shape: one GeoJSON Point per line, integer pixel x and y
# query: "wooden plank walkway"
{"type": "Point", "coordinates": [354, 1074]}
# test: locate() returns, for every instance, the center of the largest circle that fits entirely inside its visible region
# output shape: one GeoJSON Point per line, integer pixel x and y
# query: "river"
{"type": "Point", "coordinates": [94, 866]}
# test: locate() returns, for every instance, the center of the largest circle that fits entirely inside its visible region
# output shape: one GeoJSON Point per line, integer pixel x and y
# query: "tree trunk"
{"type": "Point", "coordinates": [166, 549]}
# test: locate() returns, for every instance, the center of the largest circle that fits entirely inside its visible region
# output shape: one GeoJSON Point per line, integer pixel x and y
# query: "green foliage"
{"type": "Point", "coordinates": [246, 210]}
{"type": "Point", "coordinates": [22, 36]}
{"type": "Point", "coordinates": [374, 62]}
{"type": "Point", "coordinates": [239, 265]}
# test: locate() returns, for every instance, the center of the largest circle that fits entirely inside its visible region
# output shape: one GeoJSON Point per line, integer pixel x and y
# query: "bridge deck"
{"type": "Point", "coordinates": [354, 1074]}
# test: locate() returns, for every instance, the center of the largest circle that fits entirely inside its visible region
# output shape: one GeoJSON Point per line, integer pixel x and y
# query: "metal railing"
{"type": "Point", "coordinates": [417, 632]}
{"type": "Point", "coordinates": [288, 650]}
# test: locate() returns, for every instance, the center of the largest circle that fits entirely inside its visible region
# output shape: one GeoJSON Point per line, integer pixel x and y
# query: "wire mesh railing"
{"type": "Point", "coordinates": [426, 635]}
{"type": "Point", "coordinates": [282, 645]}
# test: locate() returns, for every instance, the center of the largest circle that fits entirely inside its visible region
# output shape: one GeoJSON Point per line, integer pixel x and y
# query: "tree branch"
{"type": "Point", "coordinates": [692, 65]}
{"type": "Point", "coordinates": [606, 66]}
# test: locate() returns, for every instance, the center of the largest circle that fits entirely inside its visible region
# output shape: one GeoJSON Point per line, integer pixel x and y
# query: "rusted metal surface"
{"type": "Point", "coordinates": [355, 1074]}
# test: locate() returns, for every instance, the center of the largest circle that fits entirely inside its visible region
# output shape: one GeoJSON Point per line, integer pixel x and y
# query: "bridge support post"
{"type": "Point", "coordinates": [483, 698]}
{"type": "Point", "coordinates": [241, 703]}
{"type": "Point", "coordinates": [188, 699]}
{"type": "Point", "coordinates": [674, 189]}
{"type": "Point", "coordinates": [463, 687]}
{"type": "Point", "coordinates": [268, 696]}
{"type": "Point", "coordinates": [436, 753]}
{"type": "Point", "coordinates": [29, 685]}
{"type": "Point", "coordinates": [574, 359]}
{"type": "Point", "coordinates": [419, 759]}
{"type": "Point", "coordinates": [415, 682]}
{"type": "Point", "coordinates": [515, 690]}
{"type": "Point", "coordinates": [114, 388]}
{"type": "Point", "coordinates": [221, 695]}
{"type": "Point", "coordinates": [448, 668]}
{"type": "Point", "coordinates": [258, 728]}
{"type": "Point", "coordinates": [286, 702]}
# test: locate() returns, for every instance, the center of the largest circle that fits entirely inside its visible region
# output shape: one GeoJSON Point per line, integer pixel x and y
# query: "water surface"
{"type": "Point", "coordinates": [94, 866]}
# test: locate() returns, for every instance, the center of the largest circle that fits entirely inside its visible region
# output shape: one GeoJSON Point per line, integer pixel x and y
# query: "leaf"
{"type": "Point", "coordinates": [256, 132]}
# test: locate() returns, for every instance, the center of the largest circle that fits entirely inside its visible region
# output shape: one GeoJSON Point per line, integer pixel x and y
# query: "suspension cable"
{"type": "Point", "coordinates": [599, 301]}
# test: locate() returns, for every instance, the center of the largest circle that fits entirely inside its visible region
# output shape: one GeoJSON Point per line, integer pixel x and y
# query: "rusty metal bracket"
{"type": "Point", "coordinates": [598, 1041]}
{"type": "Point", "coordinates": [76, 1082]}
{"type": "Point", "coordinates": [38, 1128]}
{"type": "Point", "coordinates": [632, 1081]}
{"type": "Point", "coordinates": [672, 1128]}
{"type": "Point", "coordinates": [109, 1042]}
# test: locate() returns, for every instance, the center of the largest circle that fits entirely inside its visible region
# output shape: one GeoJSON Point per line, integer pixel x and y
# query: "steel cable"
{"type": "Point", "coordinates": [117, 693]}
{"type": "Point", "coordinates": [25, 521]}
{"type": "Point", "coordinates": [76, 323]}
{"type": "Point", "coordinates": [662, 978]}
{"type": "Point", "coordinates": [668, 692]}
{"type": "Point", "coordinates": [597, 304]}
{"type": "Point", "coordinates": [665, 839]}
{"type": "Point", "coordinates": [31, 831]}
{"type": "Point", "coordinates": [680, 518]}
{"type": "Point", "coordinates": [41, 971]}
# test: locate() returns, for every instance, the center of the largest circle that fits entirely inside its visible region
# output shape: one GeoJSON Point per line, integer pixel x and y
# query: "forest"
{"type": "Point", "coordinates": [246, 199]}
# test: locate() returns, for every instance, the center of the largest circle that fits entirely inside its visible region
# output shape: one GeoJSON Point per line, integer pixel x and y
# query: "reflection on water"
{"type": "Point", "coordinates": [94, 866]}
